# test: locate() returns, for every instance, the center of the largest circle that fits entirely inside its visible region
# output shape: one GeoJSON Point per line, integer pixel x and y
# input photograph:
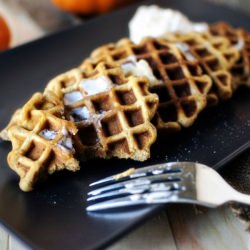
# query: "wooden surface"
{"type": "Point", "coordinates": [184, 227]}
{"type": "Point", "coordinates": [180, 226]}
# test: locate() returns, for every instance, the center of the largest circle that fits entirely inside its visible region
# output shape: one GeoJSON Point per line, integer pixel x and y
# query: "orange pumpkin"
{"type": "Point", "coordinates": [88, 6]}
{"type": "Point", "coordinates": [4, 34]}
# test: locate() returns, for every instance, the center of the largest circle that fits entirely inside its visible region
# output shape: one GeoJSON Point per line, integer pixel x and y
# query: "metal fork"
{"type": "Point", "coordinates": [178, 182]}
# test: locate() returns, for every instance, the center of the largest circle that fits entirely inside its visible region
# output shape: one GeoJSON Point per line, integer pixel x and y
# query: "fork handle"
{"type": "Point", "coordinates": [214, 190]}
{"type": "Point", "coordinates": [241, 198]}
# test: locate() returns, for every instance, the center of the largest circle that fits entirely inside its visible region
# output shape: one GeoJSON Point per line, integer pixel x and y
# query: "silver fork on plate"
{"type": "Point", "coordinates": [173, 182]}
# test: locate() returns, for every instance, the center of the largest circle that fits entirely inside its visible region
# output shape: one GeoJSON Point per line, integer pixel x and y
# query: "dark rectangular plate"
{"type": "Point", "coordinates": [54, 216]}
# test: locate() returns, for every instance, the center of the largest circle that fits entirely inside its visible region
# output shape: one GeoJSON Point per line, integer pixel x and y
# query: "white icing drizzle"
{"type": "Point", "coordinates": [66, 142]}
{"type": "Point", "coordinates": [97, 85]}
{"type": "Point", "coordinates": [239, 45]}
{"type": "Point", "coordinates": [184, 48]}
{"type": "Point", "coordinates": [131, 58]}
{"type": "Point", "coordinates": [140, 68]}
{"type": "Point", "coordinates": [48, 134]}
{"type": "Point", "coordinates": [79, 114]}
{"type": "Point", "coordinates": [83, 115]}
{"type": "Point", "coordinates": [72, 97]}
{"type": "Point", "coordinates": [200, 27]}
{"type": "Point", "coordinates": [96, 118]}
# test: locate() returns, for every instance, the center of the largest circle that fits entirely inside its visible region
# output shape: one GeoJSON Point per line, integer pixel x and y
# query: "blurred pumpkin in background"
{"type": "Point", "coordinates": [4, 34]}
{"type": "Point", "coordinates": [89, 6]}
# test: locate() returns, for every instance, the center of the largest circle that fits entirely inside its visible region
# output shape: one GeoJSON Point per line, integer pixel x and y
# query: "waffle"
{"type": "Point", "coordinates": [112, 112]}
{"type": "Point", "coordinates": [179, 82]}
{"type": "Point", "coordinates": [216, 57]}
{"type": "Point", "coordinates": [240, 39]}
{"type": "Point", "coordinates": [41, 142]}
{"type": "Point", "coordinates": [14, 120]}
{"type": "Point", "coordinates": [48, 103]}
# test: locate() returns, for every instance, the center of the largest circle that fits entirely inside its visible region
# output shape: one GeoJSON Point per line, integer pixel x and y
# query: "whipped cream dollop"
{"type": "Point", "coordinates": [153, 21]}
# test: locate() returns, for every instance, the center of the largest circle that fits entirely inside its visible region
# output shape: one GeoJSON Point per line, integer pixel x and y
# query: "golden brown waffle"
{"type": "Point", "coordinates": [240, 39]}
{"type": "Point", "coordinates": [49, 103]}
{"type": "Point", "coordinates": [41, 142]}
{"type": "Point", "coordinates": [179, 82]}
{"type": "Point", "coordinates": [13, 121]}
{"type": "Point", "coordinates": [112, 112]}
{"type": "Point", "coordinates": [216, 57]}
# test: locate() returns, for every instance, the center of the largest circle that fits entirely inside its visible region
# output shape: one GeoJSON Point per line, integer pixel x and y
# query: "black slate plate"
{"type": "Point", "coordinates": [53, 216]}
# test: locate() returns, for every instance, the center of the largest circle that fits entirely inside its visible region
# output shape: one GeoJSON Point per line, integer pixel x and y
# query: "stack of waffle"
{"type": "Point", "coordinates": [118, 99]}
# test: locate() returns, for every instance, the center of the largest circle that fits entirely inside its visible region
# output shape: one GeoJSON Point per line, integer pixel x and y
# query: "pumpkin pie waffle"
{"type": "Point", "coordinates": [41, 142]}
{"type": "Point", "coordinates": [216, 57]}
{"type": "Point", "coordinates": [112, 111]}
{"type": "Point", "coordinates": [239, 39]}
{"type": "Point", "coordinates": [179, 82]}
{"type": "Point", "coordinates": [49, 103]}
{"type": "Point", "coordinates": [13, 121]}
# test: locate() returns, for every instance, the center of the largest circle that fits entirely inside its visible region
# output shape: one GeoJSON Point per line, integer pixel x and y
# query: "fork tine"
{"type": "Point", "coordinates": [134, 200]}
{"type": "Point", "coordinates": [171, 167]}
{"type": "Point", "coordinates": [115, 203]}
{"type": "Point", "coordinates": [168, 177]}
{"type": "Point", "coordinates": [113, 178]}
{"type": "Point", "coordinates": [163, 186]}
